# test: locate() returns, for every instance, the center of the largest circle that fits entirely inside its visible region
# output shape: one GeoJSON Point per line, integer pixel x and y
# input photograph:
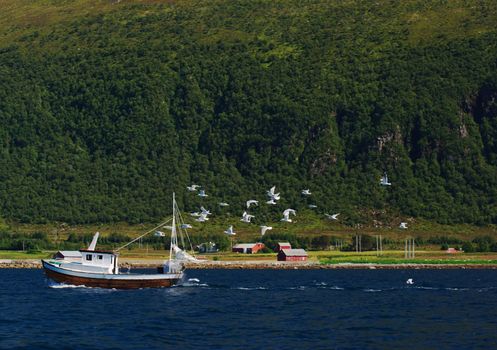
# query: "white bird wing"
{"type": "Point", "coordinates": [271, 191]}
{"type": "Point", "coordinates": [287, 212]}
{"type": "Point", "coordinates": [264, 229]}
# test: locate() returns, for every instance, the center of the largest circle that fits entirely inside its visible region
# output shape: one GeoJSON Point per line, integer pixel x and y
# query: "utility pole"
{"type": "Point", "coordinates": [379, 245]}
{"type": "Point", "coordinates": [409, 248]}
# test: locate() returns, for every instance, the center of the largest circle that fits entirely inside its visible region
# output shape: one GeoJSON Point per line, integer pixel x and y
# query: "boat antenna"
{"type": "Point", "coordinates": [174, 238]}
{"type": "Point", "coordinates": [143, 235]}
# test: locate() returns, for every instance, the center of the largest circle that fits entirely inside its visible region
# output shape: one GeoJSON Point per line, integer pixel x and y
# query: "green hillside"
{"type": "Point", "coordinates": [106, 107]}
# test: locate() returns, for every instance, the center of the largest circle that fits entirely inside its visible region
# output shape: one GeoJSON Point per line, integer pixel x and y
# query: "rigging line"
{"type": "Point", "coordinates": [146, 233]}
{"type": "Point", "coordinates": [186, 232]}
{"type": "Point", "coordinates": [180, 222]}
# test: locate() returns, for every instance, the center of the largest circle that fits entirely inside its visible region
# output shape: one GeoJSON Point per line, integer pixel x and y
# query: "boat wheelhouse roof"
{"type": "Point", "coordinates": [69, 253]}
{"type": "Point", "coordinates": [97, 251]}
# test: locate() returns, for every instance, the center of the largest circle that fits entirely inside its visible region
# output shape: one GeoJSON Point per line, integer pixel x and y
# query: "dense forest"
{"type": "Point", "coordinates": [107, 107]}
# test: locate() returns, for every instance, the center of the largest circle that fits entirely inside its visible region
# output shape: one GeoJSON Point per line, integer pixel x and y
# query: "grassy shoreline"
{"type": "Point", "coordinates": [317, 260]}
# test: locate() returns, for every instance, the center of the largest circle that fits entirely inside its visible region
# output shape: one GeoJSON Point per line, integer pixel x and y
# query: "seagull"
{"type": "Point", "coordinates": [224, 204]}
{"type": "Point", "coordinates": [246, 217]}
{"type": "Point", "coordinates": [195, 213]}
{"type": "Point", "coordinates": [203, 218]}
{"type": "Point", "coordinates": [159, 234]}
{"type": "Point", "coordinates": [230, 231]}
{"type": "Point", "coordinates": [384, 180]}
{"type": "Point", "coordinates": [272, 195]}
{"type": "Point", "coordinates": [192, 188]}
{"type": "Point", "coordinates": [410, 281]}
{"type": "Point", "coordinates": [312, 206]}
{"type": "Point", "coordinates": [271, 202]}
{"type": "Point", "coordinates": [186, 226]}
{"type": "Point", "coordinates": [252, 201]}
{"type": "Point", "coordinates": [332, 217]}
{"type": "Point", "coordinates": [264, 229]}
{"type": "Point", "coordinates": [286, 215]}
{"type": "Point", "coordinates": [205, 211]}
{"type": "Point", "coordinates": [306, 192]}
{"type": "Point", "coordinates": [403, 225]}
{"type": "Point", "coordinates": [201, 193]}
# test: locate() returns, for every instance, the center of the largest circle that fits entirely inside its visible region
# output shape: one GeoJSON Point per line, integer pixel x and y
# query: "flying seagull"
{"type": "Point", "coordinates": [384, 180]}
{"type": "Point", "coordinates": [252, 201]}
{"type": "Point", "coordinates": [205, 211]}
{"type": "Point", "coordinates": [186, 226]}
{"type": "Point", "coordinates": [286, 215]}
{"type": "Point", "coordinates": [224, 204]}
{"type": "Point", "coordinates": [230, 231]}
{"type": "Point", "coordinates": [201, 193]}
{"type": "Point", "coordinates": [246, 217]}
{"type": "Point", "coordinates": [195, 213]}
{"type": "Point", "coordinates": [403, 225]}
{"type": "Point", "coordinates": [192, 188]}
{"type": "Point", "coordinates": [273, 197]}
{"type": "Point", "coordinates": [332, 217]}
{"type": "Point", "coordinates": [306, 192]}
{"type": "Point", "coordinates": [203, 218]}
{"type": "Point", "coordinates": [271, 191]}
{"type": "Point", "coordinates": [264, 229]}
{"type": "Point", "coordinates": [312, 206]}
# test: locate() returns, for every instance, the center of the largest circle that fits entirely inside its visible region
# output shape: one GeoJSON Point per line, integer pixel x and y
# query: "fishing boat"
{"type": "Point", "coordinates": [98, 268]}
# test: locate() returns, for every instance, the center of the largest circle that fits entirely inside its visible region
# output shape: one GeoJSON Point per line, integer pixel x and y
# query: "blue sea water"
{"type": "Point", "coordinates": [257, 309]}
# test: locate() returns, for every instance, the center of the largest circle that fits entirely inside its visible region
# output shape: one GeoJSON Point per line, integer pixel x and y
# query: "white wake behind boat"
{"type": "Point", "coordinates": [95, 268]}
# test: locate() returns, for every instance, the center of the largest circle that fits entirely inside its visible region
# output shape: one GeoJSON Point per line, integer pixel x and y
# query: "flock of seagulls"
{"type": "Point", "coordinates": [273, 199]}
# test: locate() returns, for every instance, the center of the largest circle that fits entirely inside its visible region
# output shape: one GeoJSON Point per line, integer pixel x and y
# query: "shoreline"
{"type": "Point", "coordinates": [261, 265]}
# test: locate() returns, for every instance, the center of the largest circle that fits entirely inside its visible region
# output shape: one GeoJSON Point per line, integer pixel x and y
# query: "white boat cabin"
{"type": "Point", "coordinates": [100, 259]}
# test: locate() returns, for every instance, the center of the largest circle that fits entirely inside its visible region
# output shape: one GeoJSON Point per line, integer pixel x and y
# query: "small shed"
{"type": "Point", "coordinates": [68, 255]}
{"type": "Point", "coordinates": [453, 251]}
{"type": "Point", "coordinates": [248, 248]}
{"type": "Point", "coordinates": [283, 245]}
{"type": "Point", "coordinates": [292, 255]}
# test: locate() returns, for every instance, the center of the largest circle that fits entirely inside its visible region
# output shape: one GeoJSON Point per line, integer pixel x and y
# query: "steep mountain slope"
{"type": "Point", "coordinates": [106, 107]}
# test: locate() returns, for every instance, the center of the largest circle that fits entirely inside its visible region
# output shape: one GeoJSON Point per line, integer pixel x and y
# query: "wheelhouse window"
{"type": "Point", "coordinates": [88, 257]}
{"type": "Point", "coordinates": [100, 257]}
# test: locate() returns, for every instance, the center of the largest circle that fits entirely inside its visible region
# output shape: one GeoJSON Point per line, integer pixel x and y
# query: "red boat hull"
{"type": "Point", "coordinates": [110, 283]}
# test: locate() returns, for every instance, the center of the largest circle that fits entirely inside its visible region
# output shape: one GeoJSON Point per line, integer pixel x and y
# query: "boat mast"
{"type": "Point", "coordinates": [174, 238]}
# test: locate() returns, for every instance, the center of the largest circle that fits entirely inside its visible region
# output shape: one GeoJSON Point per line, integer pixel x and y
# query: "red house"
{"type": "Point", "coordinates": [282, 245]}
{"type": "Point", "coordinates": [292, 255]}
{"type": "Point", "coordinates": [247, 248]}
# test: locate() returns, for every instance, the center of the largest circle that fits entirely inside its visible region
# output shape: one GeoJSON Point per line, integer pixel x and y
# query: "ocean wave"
{"type": "Point", "coordinates": [250, 288]}
{"type": "Point", "coordinates": [63, 285]}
